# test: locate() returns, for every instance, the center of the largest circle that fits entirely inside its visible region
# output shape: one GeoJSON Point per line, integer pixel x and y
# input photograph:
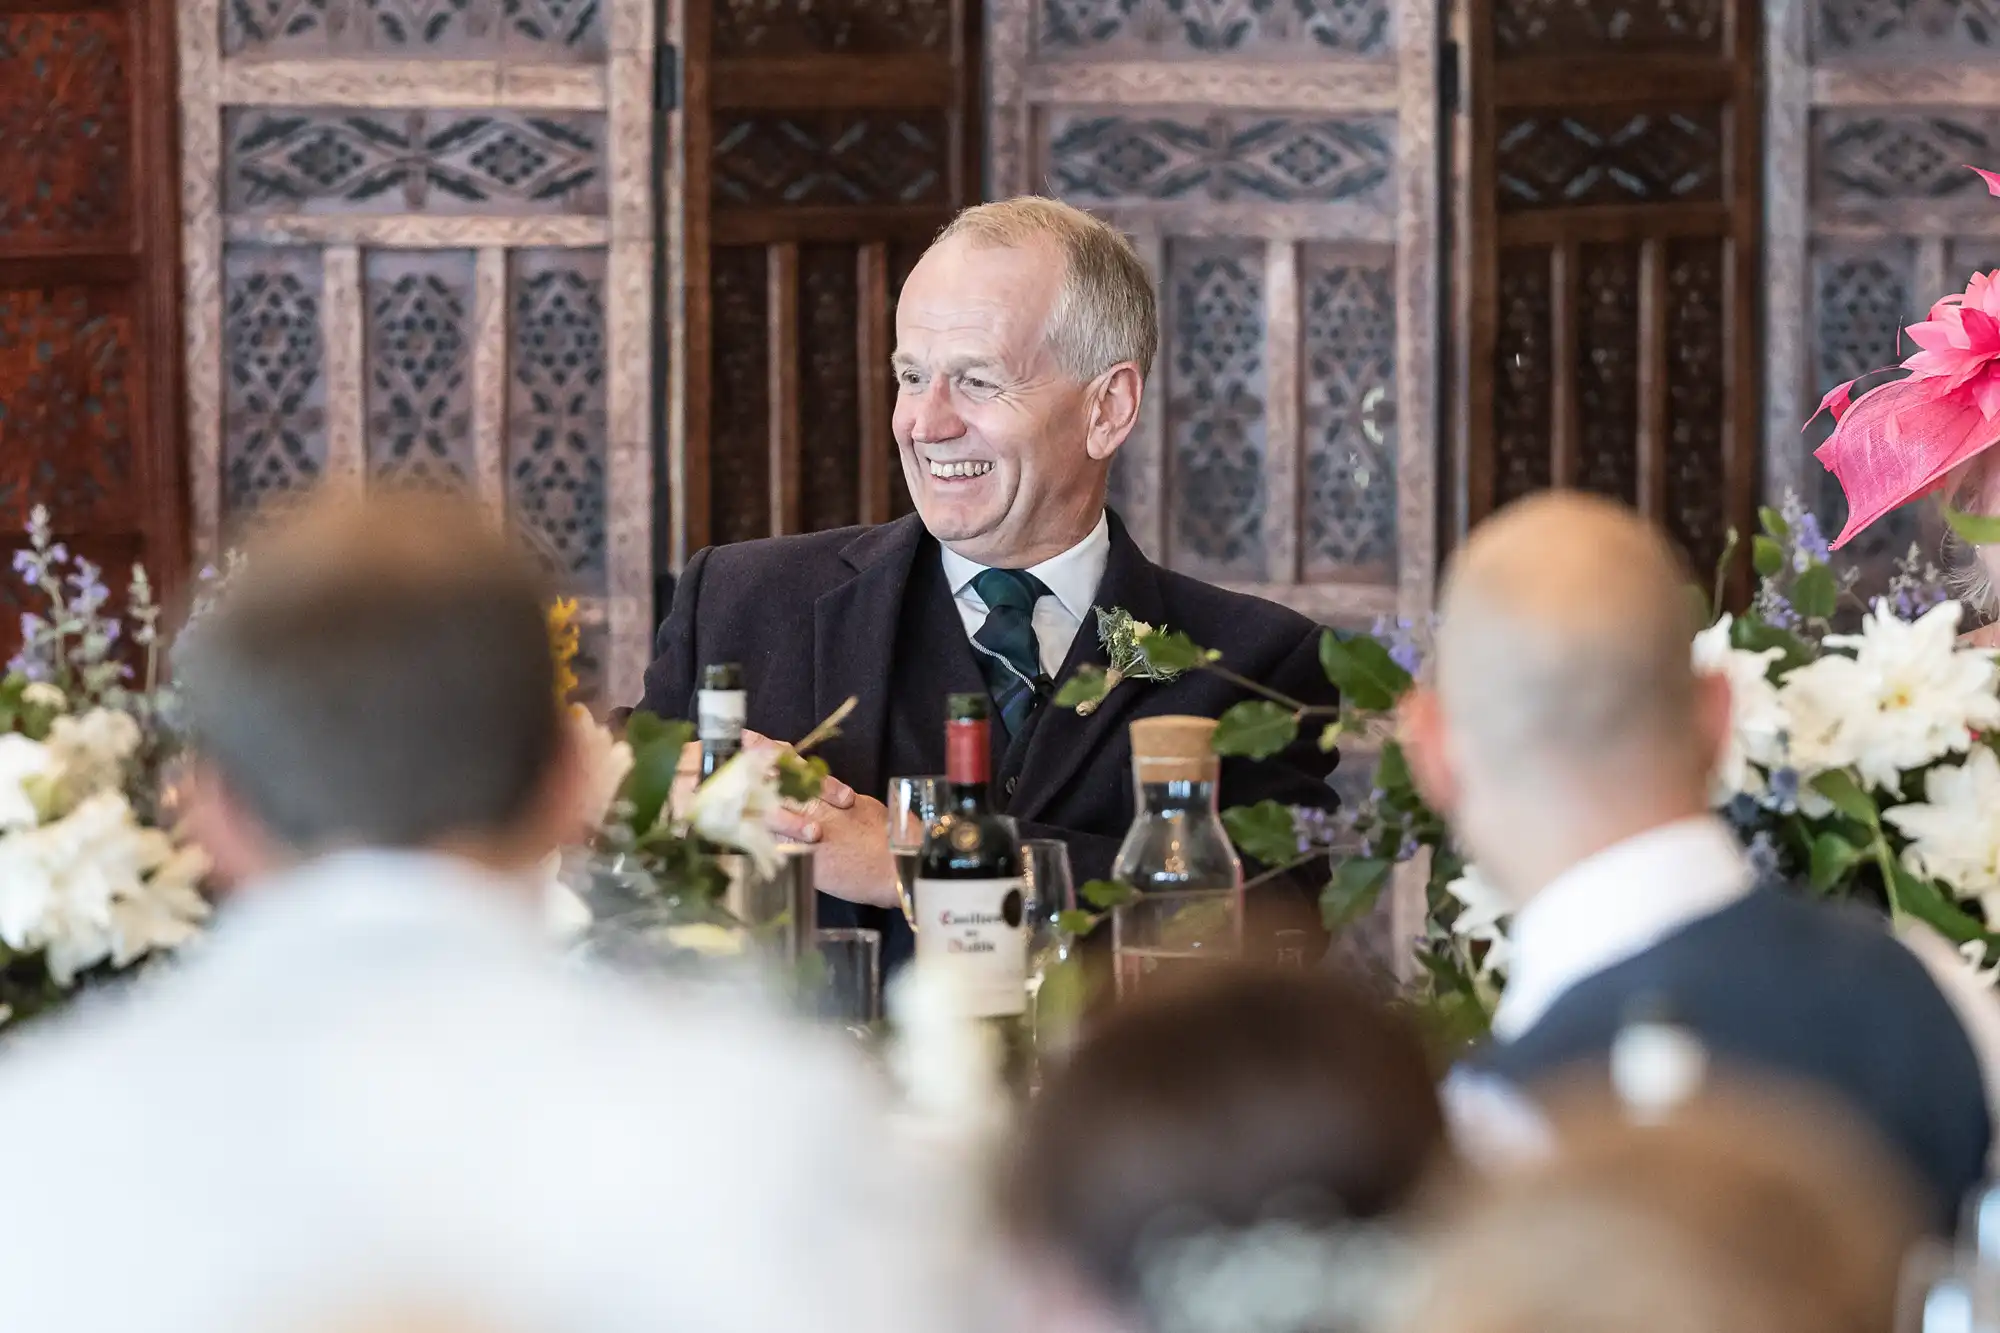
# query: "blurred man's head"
{"type": "Point", "coordinates": [1023, 340]}
{"type": "Point", "coordinates": [378, 675]}
{"type": "Point", "coordinates": [1565, 713]}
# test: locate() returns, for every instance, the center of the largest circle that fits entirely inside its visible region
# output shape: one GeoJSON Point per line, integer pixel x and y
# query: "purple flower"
{"type": "Point", "coordinates": [1809, 546]}
{"type": "Point", "coordinates": [1400, 638]}
{"type": "Point", "coordinates": [31, 626]}
{"type": "Point", "coordinates": [24, 563]}
{"type": "Point", "coordinates": [1409, 847]}
{"type": "Point", "coordinates": [1313, 828]}
{"type": "Point", "coordinates": [1785, 789]}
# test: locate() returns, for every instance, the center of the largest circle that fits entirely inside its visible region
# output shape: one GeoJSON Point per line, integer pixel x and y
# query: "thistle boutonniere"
{"type": "Point", "coordinates": [1137, 651]}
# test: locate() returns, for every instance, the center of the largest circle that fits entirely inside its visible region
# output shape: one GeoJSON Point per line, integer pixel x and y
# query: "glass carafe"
{"type": "Point", "coordinates": [1176, 842]}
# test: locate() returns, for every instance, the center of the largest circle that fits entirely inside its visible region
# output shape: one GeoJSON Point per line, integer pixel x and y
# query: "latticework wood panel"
{"type": "Point", "coordinates": [418, 247]}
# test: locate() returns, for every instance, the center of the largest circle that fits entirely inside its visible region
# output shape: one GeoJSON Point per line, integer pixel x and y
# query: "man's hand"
{"type": "Point", "coordinates": [852, 859]}
{"type": "Point", "coordinates": [687, 774]}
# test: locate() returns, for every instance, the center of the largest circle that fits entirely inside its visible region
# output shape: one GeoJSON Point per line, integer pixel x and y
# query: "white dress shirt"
{"type": "Point", "coordinates": [1071, 579]}
{"type": "Point", "coordinates": [1618, 904]}
{"type": "Point", "coordinates": [377, 1081]}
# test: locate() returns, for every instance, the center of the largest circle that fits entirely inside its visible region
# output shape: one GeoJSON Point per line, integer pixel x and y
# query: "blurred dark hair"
{"type": "Point", "coordinates": [1257, 1097]}
{"type": "Point", "coordinates": [377, 674]}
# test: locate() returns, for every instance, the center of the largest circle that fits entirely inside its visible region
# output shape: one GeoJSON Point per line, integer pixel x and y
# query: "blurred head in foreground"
{"type": "Point", "coordinates": [1745, 1211]}
{"type": "Point", "coordinates": [378, 675]}
{"type": "Point", "coordinates": [1240, 1148]}
{"type": "Point", "coordinates": [1565, 714]}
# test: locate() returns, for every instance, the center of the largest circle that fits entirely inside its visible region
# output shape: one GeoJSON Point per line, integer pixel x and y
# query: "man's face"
{"type": "Point", "coordinates": [992, 432]}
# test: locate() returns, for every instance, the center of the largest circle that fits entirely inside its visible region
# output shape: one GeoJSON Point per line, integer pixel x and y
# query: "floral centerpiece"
{"type": "Point", "coordinates": [94, 875]}
{"type": "Point", "coordinates": [646, 879]}
{"type": "Point", "coordinates": [1863, 765]}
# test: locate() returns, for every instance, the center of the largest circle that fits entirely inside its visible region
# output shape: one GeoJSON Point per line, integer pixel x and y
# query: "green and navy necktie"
{"type": "Point", "coordinates": [1010, 658]}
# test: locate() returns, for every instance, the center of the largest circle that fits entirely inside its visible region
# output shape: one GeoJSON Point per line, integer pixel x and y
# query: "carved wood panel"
{"type": "Point", "coordinates": [1276, 165]}
{"type": "Point", "coordinates": [825, 145]}
{"type": "Point", "coordinates": [1874, 109]}
{"type": "Point", "coordinates": [89, 343]}
{"type": "Point", "coordinates": [1611, 195]}
{"type": "Point", "coordinates": [419, 243]}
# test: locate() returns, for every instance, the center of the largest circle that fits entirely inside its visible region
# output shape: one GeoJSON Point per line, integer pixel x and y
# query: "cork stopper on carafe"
{"type": "Point", "coordinates": [1174, 748]}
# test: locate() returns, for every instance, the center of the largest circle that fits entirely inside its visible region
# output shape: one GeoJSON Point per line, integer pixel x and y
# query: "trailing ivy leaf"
{"type": "Point", "coordinates": [655, 763]}
{"type": "Point", "coordinates": [1264, 832]}
{"type": "Point", "coordinates": [1923, 900]}
{"type": "Point", "coordinates": [1839, 786]}
{"type": "Point", "coordinates": [1076, 922]}
{"type": "Point", "coordinates": [1698, 605]}
{"type": "Point", "coordinates": [1088, 685]}
{"type": "Point", "coordinates": [800, 777]}
{"type": "Point", "coordinates": [1330, 738]}
{"type": "Point", "coordinates": [1368, 678]}
{"type": "Point", "coordinates": [1832, 857]}
{"type": "Point", "coordinates": [1973, 529]}
{"type": "Point", "coordinates": [1105, 894]}
{"type": "Point", "coordinates": [650, 728]}
{"type": "Point", "coordinates": [1766, 556]}
{"type": "Point", "coordinates": [1392, 770]}
{"type": "Point", "coordinates": [1351, 893]}
{"type": "Point", "coordinates": [1171, 650]}
{"type": "Point", "coordinates": [1774, 524]}
{"type": "Point", "coordinates": [1255, 729]}
{"type": "Point", "coordinates": [1816, 595]}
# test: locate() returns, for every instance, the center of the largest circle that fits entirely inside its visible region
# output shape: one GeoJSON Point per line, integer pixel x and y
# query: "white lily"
{"type": "Point", "coordinates": [1757, 721]}
{"type": "Point", "coordinates": [24, 765]}
{"type": "Point", "coordinates": [1482, 917]}
{"type": "Point", "coordinates": [731, 807]}
{"type": "Point", "coordinates": [1953, 835]}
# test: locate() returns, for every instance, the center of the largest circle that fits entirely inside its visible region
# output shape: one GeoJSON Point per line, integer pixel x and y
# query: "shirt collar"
{"type": "Point", "coordinates": [1072, 577]}
{"type": "Point", "coordinates": [1614, 906]}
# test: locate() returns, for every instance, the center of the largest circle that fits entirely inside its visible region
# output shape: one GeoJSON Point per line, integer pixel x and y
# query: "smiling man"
{"type": "Point", "coordinates": [1023, 340]}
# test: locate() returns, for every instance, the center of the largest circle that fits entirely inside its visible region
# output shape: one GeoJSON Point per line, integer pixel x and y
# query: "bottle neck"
{"type": "Point", "coordinates": [968, 761]}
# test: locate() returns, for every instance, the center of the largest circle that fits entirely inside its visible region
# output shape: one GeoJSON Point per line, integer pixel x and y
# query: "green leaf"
{"type": "Point", "coordinates": [1754, 636]}
{"type": "Point", "coordinates": [800, 778]}
{"type": "Point", "coordinates": [1392, 770]}
{"type": "Point", "coordinates": [1832, 857]}
{"type": "Point", "coordinates": [1698, 605]}
{"type": "Point", "coordinates": [1171, 650]}
{"type": "Point", "coordinates": [1264, 832]}
{"type": "Point", "coordinates": [1973, 529]}
{"type": "Point", "coordinates": [1766, 557]}
{"type": "Point", "coordinates": [652, 729]}
{"type": "Point", "coordinates": [1330, 738]}
{"type": "Point", "coordinates": [1774, 524]}
{"type": "Point", "coordinates": [1255, 729]}
{"type": "Point", "coordinates": [1105, 894]}
{"type": "Point", "coordinates": [1077, 922]}
{"type": "Point", "coordinates": [655, 763]}
{"type": "Point", "coordinates": [1838, 786]}
{"type": "Point", "coordinates": [1351, 893]}
{"type": "Point", "coordinates": [1923, 900]}
{"type": "Point", "coordinates": [1368, 678]}
{"type": "Point", "coordinates": [1816, 594]}
{"type": "Point", "coordinates": [1088, 685]}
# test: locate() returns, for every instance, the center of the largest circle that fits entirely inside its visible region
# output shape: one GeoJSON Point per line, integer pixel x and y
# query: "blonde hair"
{"type": "Point", "coordinates": [1106, 313]}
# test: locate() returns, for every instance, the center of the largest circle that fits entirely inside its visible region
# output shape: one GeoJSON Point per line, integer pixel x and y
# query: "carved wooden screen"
{"type": "Point", "coordinates": [89, 324]}
{"type": "Point", "coordinates": [1612, 205]}
{"type": "Point", "coordinates": [419, 245]}
{"type": "Point", "coordinates": [826, 143]}
{"type": "Point", "coordinates": [1276, 166]}
{"type": "Point", "coordinates": [1875, 107]}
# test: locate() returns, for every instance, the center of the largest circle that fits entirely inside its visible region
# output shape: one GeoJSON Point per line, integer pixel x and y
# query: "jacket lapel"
{"type": "Point", "coordinates": [1061, 740]}
{"type": "Point", "coordinates": [854, 644]}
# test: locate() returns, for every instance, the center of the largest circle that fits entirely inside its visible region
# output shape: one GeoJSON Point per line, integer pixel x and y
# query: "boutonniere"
{"type": "Point", "coordinates": [1137, 651]}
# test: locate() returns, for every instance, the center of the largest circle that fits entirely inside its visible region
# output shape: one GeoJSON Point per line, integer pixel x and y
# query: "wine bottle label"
{"type": "Point", "coordinates": [719, 714]}
{"type": "Point", "coordinates": [978, 929]}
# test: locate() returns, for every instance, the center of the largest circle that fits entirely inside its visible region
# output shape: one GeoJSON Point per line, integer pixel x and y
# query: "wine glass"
{"type": "Point", "coordinates": [914, 805]}
{"type": "Point", "coordinates": [1050, 890]}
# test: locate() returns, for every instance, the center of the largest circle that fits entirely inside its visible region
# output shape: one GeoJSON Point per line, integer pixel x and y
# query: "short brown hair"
{"type": "Point", "coordinates": [1259, 1097]}
{"type": "Point", "coordinates": [1106, 312]}
{"type": "Point", "coordinates": [378, 673]}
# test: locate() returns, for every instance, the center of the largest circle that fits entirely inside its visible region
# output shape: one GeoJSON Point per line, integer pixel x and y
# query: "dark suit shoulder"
{"type": "Point", "coordinates": [806, 559]}
{"type": "Point", "coordinates": [1220, 618]}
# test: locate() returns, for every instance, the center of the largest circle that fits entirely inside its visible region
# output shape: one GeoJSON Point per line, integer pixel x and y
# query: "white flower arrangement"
{"type": "Point", "coordinates": [93, 876]}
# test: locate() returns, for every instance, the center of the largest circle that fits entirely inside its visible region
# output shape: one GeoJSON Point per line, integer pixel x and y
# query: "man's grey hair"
{"type": "Point", "coordinates": [1106, 313]}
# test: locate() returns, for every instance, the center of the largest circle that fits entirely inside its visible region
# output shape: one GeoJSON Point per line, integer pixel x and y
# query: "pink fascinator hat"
{"type": "Point", "coordinates": [1900, 441]}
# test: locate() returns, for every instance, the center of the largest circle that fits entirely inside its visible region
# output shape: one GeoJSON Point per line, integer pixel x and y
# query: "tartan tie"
{"type": "Point", "coordinates": [1012, 659]}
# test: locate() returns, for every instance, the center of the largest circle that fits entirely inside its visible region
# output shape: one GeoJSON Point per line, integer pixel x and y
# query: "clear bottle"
{"type": "Point", "coordinates": [1176, 842]}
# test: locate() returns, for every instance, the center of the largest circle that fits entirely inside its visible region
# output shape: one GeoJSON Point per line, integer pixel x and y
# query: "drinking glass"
{"type": "Point", "coordinates": [1159, 939]}
{"type": "Point", "coordinates": [1050, 889]}
{"type": "Point", "coordinates": [851, 993]}
{"type": "Point", "coordinates": [914, 805]}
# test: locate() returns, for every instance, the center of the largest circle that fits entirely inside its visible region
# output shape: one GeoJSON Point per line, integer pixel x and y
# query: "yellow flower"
{"type": "Point", "coordinates": [563, 643]}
